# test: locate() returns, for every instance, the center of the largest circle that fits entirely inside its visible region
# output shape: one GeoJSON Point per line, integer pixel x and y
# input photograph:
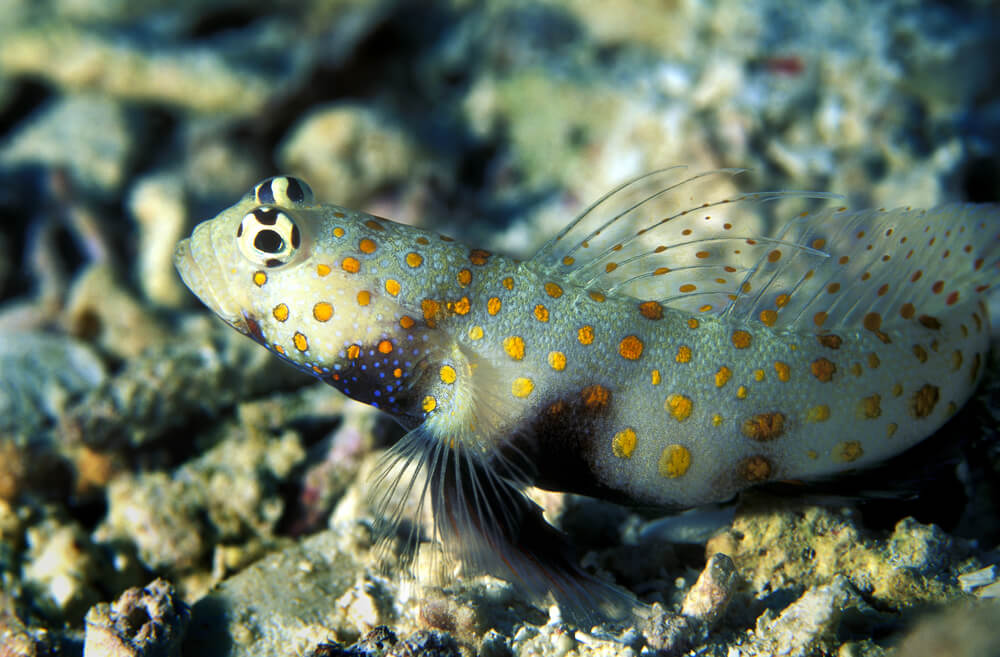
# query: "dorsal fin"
{"type": "Point", "coordinates": [883, 267]}
{"type": "Point", "coordinates": [671, 237]}
{"type": "Point", "coordinates": [668, 236]}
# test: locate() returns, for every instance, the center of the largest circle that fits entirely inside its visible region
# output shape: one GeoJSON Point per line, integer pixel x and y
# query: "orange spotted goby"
{"type": "Point", "coordinates": [662, 349]}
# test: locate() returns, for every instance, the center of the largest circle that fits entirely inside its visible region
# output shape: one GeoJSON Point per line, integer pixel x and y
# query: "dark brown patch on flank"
{"type": "Point", "coordinates": [559, 445]}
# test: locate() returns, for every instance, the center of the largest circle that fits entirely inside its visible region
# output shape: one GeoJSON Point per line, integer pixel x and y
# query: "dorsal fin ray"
{"type": "Point", "coordinates": [652, 239]}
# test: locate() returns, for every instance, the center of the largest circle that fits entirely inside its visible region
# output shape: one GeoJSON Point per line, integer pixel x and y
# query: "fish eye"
{"type": "Point", "coordinates": [267, 236]}
{"type": "Point", "coordinates": [283, 191]}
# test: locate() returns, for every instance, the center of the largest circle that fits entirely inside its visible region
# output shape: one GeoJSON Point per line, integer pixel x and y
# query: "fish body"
{"type": "Point", "coordinates": [653, 352]}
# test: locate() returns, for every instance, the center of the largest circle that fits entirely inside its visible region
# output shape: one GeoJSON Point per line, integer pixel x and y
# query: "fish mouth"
{"type": "Point", "coordinates": [199, 280]}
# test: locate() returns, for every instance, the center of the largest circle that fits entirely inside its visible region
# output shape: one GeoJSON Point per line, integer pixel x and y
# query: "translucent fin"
{"type": "Point", "coordinates": [880, 268]}
{"type": "Point", "coordinates": [453, 467]}
{"type": "Point", "coordinates": [670, 237]}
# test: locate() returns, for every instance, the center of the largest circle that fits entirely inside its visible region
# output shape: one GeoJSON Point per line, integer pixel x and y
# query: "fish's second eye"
{"type": "Point", "coordinates": [267, 236]}
{"type": "Point", "coordinates": [283, 190]}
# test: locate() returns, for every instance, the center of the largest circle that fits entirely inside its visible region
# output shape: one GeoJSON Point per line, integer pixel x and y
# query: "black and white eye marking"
{"type": "Point", "coordinates": [283, 191]}
{"type": "Point", "coordinates": [267, 236]}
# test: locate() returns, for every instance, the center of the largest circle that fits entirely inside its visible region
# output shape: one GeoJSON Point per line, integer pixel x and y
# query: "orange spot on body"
{"type": "Point", "coordinates": [350, 265]}
{"type": "Point", "coordinates": [675, 460]}
{"type": "Point", "coordinates": [651, 310]}
{"type": "Point", "coordinates": [764, 426]}
{"type": "Point", "coordinates": [541, 313]}
{"type": "Point", "coordinates": [924, 400]}
{"type": "Point", "coordinates": [493, 305]}
{"type": "Point", "coordinates": [755, 469]}
{"type": "Point", "coordinates": [414, 259]}
{"type": "Point", "coordinates": [585, 334]}
{"type": "Point", "coordinates": [630, 348]}
{"type": "Point", "coordinates": [300, 341]}
{"type": "Point", "coordinates": [823, 369]}
{"type": "Point", "coordinates": [623, 443]}
{"type": "Point", "coordinates": [259, 278]}
{"type": "Point", "coordinates": [830, 341]}
{"type": "Point", "coordinates": [364, 298]}
{"type": "Point", "coordinates": [478, 256]}
{"type": "Point", "coordinates": [820, 413]}
{"type": "Point", "coordinates": [679, 407]}
{"type": "Point", "coordinates": [431, 309]}
{"type": "Point", "coordinates": [848, 451]}
{"type": "Point", "coordinates": [871, 407]}
{"type": "Point", "coordinates": [385, 347]}
{"type": "Point", "coordinates": [741, 339]}
{"type": "Point", "coordinates": [595, 397]}
{"type": "Point", "coordinates": [367, 245]}
{"type": "Point", "coordinates": [322, 311]}
{"type": "Point", "coordinates": [280, 312]}
{"type": "Point", "coordinates": [514, 346]}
